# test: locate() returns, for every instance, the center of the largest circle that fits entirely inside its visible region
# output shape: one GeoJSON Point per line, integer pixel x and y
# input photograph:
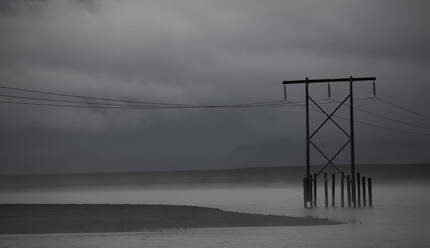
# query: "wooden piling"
{"type": "Point", "coordinates": [342, 190]}
{"type": "Point", "coordinates": [369, 186]}
{"type": "Point", "coordinates": [333, 187]}
{"type": "Point", "coordinates": [363, 183]}
{"type": "Point", "coordinates": [304, 193]}
{"type": "Point", "coordinates": [325, 190]}
{"type": "Point", "coordinates": [315, 190]}
{"type": "Point", "coordinates": [358, 190]}
{"type": "Point", "coordinates": [348, 189]}
{"type": "Point", "coordinates": [310, 191]}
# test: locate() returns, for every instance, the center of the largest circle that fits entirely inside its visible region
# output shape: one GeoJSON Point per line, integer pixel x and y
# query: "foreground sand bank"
{"type": "Point", "coordinates": [71, 218]}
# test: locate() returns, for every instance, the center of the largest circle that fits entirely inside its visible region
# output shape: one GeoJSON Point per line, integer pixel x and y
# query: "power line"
{"type": "Point", "coordinates": [97, 105]}
{"type": "Point", "coordinates": [136, 106]}
{"type": "Point", "coordinates": [213, 107]}
{"type": "Point", "coordinates": [383, 127]}
{"type": "Point", "coordinates": [130, 101]}
{"type": "Point", "coordinates": [146, 105]}
{"type": "Point", "coordinates": [387, 118]}
{"type": "Point", "coordinates": [391, 119]}
{"type": "Point", "coordinates": [403, 108]}
{"type": "Point", "coordinates": [59, 105]}
{"type": "Point", "coordinates": [65, 101]}
{"type": "Point", "coordinates": [143, 107]}
{"type": "Point", "coordinates": [368, 123]}
{"type": "Point", "coordinates": [82, 96]}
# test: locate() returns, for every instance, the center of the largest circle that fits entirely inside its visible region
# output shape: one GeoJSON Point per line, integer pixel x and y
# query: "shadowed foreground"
{"type": "Point", "coordinates": [74, 218]}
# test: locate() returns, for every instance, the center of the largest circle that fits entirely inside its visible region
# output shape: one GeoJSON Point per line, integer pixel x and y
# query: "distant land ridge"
{"type": "Point", "coordinates": [254, 175]}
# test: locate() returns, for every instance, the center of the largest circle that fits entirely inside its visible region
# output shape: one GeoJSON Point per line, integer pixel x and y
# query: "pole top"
{"type": "Point", "coordinates": [330, 80]}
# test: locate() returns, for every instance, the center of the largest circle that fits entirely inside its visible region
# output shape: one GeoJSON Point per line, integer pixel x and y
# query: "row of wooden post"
{"type": "Point", "coordinates": [361, 198]}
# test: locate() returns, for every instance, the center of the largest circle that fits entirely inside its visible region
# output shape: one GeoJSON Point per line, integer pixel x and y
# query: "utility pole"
{"type": "Point", "coordinates": [308, 155]}
{"type": "Point", "coordinates": [329, 117]}
{"type": "Point", "coordinates": [351, 131]}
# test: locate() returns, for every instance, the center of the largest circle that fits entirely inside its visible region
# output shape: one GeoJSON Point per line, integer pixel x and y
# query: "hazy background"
{"type": "Point", "coordinates": [204, 52]}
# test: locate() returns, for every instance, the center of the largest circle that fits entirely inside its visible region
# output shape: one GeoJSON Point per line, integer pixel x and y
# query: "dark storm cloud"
{"type": "Point", "coordinates": [197, 52]}
{"type": "Point", "coordinates": [10, 7]}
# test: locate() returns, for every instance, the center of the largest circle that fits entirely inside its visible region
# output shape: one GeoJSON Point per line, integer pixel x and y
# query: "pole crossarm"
{"type": "Point", "coordinates": [330, 80]}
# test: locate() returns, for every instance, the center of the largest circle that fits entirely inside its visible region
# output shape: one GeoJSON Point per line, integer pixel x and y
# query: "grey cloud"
{"type": "Point", "coordinates": [13, 7]}
{"type": "Point", "coordinates": [199, 52]}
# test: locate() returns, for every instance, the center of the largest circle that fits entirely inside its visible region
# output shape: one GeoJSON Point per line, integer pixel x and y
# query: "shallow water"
{"type": "Point", "coordinates": [399, 218]}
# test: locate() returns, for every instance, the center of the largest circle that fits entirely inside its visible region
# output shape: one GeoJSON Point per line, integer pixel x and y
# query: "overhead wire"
{"type": "Point", "coordinates": [80, 96]}
{"type": "Point", "coordinates": [391, 119]}
{"type": "Point", "coordinates": [381, 116]}
{"type": "Point", "coordinates": [383, 127]}
{"type": "Point", "coordinates": [403, 108]}
{"type": "Point", "coordinates": [121, 106]}
{"type": "Point", "coordinates": [111, 103]}
{"type": "Point", "coordinates": [143, 107]}
{"type": "Point", "coordinates": [151, 103]}
{"type": "Point", "coordinates": [364, 123]}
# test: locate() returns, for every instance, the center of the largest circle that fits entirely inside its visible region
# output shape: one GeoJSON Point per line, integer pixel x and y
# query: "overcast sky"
{"type": "Point", "coordinates": [204, 51]}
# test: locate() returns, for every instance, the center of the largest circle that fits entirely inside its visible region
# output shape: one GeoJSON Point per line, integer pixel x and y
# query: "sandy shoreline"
{"type": "Point", "coordinates": [87, 218]}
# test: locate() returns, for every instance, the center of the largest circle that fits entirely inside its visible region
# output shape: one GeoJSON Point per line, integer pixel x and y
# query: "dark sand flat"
{"type": "Point", "coordinates": [71, 218]}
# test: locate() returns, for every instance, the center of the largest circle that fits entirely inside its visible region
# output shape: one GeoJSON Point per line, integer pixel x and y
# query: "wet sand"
{"type": "Point", "coordinates": [87, 218]}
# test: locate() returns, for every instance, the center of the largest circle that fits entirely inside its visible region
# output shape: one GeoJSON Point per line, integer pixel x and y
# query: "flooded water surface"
{"type": "Point", "coordinates": [399, 218]}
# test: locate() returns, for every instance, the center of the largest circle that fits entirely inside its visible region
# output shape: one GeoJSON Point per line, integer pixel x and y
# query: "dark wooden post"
{"type": "Point", "coordinates": [342, 190]}
{"type": "Point", "coordinates": [364, 190]}
{"type": "Point", "coordinates": [310, 199]}
{"type": "Point", "coordinates": [315, 190]}
{"type": "Point", "coordinates": [333, 187]}
{"type": "Point", "coordinates": [358, 190]}
{"type": "Point", "coordinates": [325, 190]}
{"type": "Point", "coordinates": [369, 186]}
{"type": "Point", "coordinates": [304, 192]}
{"type": "Point", "coordinates": [348, 189]}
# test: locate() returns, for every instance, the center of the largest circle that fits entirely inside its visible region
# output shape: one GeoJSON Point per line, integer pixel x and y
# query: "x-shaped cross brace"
{"type": "Point", "coordinates": [329, 117]}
